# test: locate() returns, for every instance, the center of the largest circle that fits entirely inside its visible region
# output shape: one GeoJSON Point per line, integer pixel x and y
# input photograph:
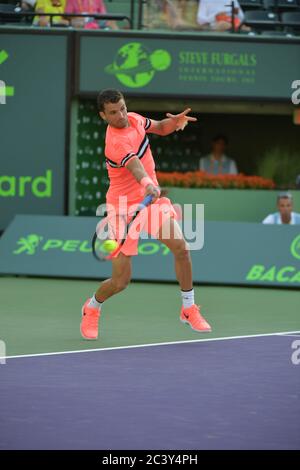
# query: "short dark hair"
{"type": "Point", "coordinates": [284, 195]}
{"type": "Point", "coordinates": [108, 96]}
{"type": "Point", "coordinates": [220, 137]}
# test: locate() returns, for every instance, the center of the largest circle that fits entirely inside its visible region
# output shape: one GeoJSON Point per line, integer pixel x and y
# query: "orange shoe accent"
{"type": "Point", "coordinates": [193, 317]}
{"type": "Point", "coordinates": [89, 321]}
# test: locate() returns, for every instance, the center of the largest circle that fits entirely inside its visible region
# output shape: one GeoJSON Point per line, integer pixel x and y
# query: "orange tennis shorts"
{"type": "Point", "coordinates": [149, 221]}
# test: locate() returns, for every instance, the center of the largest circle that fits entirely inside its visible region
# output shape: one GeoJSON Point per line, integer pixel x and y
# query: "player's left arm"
{"type": "Point", "coordinates": [174, 122]}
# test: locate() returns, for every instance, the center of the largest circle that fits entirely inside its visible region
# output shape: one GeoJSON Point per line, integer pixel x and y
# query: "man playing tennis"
{"type": "Point", "coordinates": [131, 172]}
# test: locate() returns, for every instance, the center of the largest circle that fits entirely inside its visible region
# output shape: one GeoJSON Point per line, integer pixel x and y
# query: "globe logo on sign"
{"type": "Point", "coordinates": [135, 66]}
{"type": "Point", "coordinates": [295, 247]}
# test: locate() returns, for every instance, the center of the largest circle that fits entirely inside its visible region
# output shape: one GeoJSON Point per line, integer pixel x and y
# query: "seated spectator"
{"type": "Point", "coordinates": [165, 14]}
{"type": "Point", "coordinates": [50, 6]}
{"type": "Point", "coordinates": [174, 14]}
{"type": "Point", "coordinates": [85, 7]}
{"type": "Point", "coordinates": [217, 162]}
{"type": "Point", "coordinates": [28, 5]}
{"type": "Point", "coordinates": [285, 214]}
{"type": "Point", "coordinates": [216, 15]}
{"type": "Point", "coordinates": [188, 13]}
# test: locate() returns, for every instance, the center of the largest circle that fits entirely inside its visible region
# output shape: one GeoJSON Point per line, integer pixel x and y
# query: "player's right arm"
{"type": "Point", "coordinates": [174, 122]}
{"type": "Point", "coordinates": [138, 171]}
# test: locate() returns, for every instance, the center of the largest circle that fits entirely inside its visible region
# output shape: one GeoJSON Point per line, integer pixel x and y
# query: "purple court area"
{"type": "Point", "coordinates": [233, 394]}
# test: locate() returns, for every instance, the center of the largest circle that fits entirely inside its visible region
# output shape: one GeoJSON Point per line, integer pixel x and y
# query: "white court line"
{"type": "Point", "coordinates": [292, 335]}
{"type": "Point", "coordinates": [135, 346]}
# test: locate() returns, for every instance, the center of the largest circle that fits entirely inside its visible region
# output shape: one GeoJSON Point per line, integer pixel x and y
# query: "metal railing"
{"type": "Point", "coordinates": [278, 24]}
{"type": "Point", "coordinates": [18, 15]}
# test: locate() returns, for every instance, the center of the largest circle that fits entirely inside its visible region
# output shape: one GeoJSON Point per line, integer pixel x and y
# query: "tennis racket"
{"type": "Point", "coordinates": [104, 243]}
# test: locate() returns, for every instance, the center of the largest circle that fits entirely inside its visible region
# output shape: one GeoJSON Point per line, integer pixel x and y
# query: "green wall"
{"type": "Point", "coordinates": [88, 175]}
{"type": "Point", "coordinates": [231, 205]}
{"type": "Point", "coordinates": [32, 124]}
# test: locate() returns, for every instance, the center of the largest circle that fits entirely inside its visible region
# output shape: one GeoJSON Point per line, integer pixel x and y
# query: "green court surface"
{"type": "Point", "coordinates": [43, 315]}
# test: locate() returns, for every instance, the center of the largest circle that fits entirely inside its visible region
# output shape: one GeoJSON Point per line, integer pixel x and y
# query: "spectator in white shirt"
{"type": "Point", "coordinates": [217, 162]}
{"type": "Point", "coordinates": [216, 14]}
{"type": "Point", "coordinates": [285, 214]}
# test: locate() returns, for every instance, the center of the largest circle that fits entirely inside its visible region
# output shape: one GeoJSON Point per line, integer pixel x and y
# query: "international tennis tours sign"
{"type": "Point", "coordinates": [135, 65]}
{"type": "Point", "coordinates": [162, 65]}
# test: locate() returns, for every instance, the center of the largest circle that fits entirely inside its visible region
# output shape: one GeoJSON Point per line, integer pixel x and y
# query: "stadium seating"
{"type": "Point", "coordinates": [281, 5]}
{"type": "Point", "coordinates": [8, 8]}
{"type": "Point", "coordinates": [275, 33]}
{"type": "Point", "coordinates": [251, 4]}
{"type": "Point", "coordinates": [291, 21]}
{"type": "Point", "coordinates": [260, 20]}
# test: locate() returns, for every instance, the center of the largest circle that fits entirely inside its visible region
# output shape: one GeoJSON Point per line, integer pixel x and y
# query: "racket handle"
{"type": "Point", "coordinates": [145, 202]}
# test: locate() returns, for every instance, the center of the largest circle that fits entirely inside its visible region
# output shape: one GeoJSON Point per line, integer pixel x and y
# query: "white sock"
{"type": "Point", "coordinates": [187, 298]}
{"type": "Point", "coordinates": [94, 303]}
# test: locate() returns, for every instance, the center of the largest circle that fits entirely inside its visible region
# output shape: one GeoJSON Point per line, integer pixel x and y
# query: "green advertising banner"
{"type": "Point", "coordinates": [189, 66]}
{"type": "Point", "coordinates": [32, 124]}
{"type": "Point", "coordinates": [233, 253]}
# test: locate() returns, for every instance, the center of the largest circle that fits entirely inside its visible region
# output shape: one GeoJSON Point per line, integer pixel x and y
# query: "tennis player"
{"type": "Point", "coordinates": [131, 172]}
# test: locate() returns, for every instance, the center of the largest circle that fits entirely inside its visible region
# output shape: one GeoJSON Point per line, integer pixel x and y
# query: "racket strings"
{"type": "Point", "coordinates": [117, 227]}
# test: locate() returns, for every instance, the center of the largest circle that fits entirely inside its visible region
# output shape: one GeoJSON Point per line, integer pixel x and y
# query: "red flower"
{"type": "Point", "coordinates": [200, 179]}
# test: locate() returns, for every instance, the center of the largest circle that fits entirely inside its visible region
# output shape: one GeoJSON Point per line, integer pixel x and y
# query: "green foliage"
{"type": "Point", "coordinates": [281, 165]}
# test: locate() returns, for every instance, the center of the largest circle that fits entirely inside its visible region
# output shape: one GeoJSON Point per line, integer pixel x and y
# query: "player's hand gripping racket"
{"type": "Point", "coordinates": [104, 244]}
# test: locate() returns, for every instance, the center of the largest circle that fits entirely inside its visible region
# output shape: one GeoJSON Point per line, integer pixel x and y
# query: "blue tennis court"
{"type": "Point", "coordinates": [236, 393]}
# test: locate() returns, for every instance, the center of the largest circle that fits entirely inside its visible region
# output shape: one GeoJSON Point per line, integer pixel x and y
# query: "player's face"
{"type": "Point", "coordinates": [285, 206]}
{"type": "Point", "coordinates": [115, 114]}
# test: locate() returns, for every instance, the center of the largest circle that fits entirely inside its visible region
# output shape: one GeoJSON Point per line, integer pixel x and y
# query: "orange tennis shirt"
{"type": "Point", "coordinates": [121, 146]}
